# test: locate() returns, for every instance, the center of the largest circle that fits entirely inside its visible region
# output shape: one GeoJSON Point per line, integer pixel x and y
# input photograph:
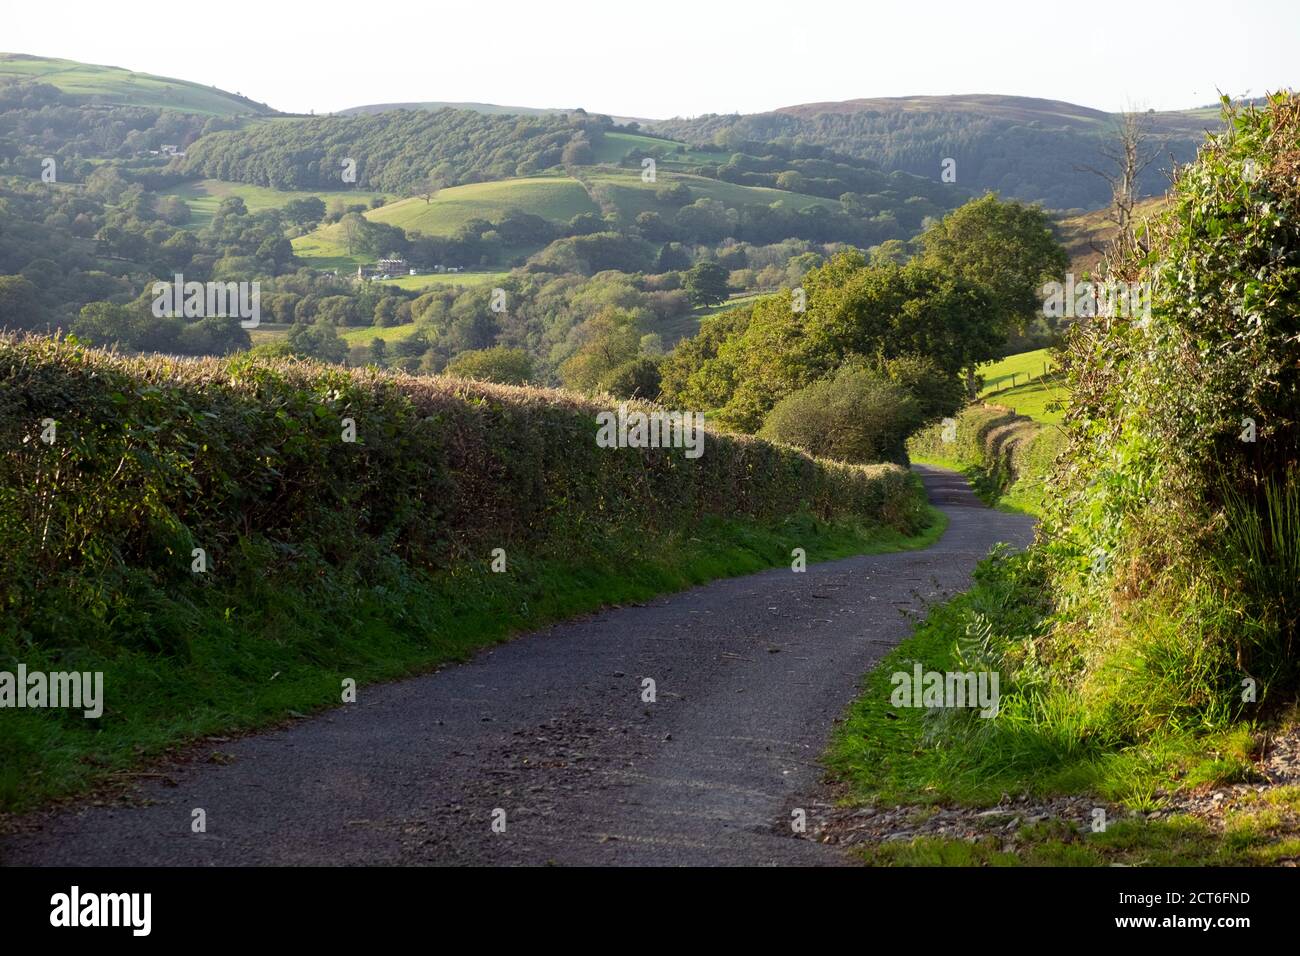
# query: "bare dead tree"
{"type": "Point", "coordinates": [1127, 154]}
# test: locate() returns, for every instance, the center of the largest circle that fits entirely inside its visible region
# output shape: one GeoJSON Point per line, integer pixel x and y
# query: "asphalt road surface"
{"type": "Point", "coordinates": [552, 729]}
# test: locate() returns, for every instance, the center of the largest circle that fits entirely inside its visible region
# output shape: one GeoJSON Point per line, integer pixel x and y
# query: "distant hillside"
{"type": "Point", "coordinates": [488, 109]}
{"type": "Point", "coordinates": [115, 86]}
{"type": "Point", "coordinates": [1023, 147]}
{"type": "Point", "coordinates": [388, 152]}
{"type": "Point", "coordinates": [553, 198]}
{"type": "Point", "coordinates": [1086, 237]}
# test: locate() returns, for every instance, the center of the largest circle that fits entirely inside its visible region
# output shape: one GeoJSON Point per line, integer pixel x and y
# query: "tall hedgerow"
{"type": "Point", "coordinates": [1177, 496]}
{"type": "Point", "coordinates": [148, 459]}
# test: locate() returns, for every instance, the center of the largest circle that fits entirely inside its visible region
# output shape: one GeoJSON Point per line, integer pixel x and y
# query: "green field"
{"type": "Point", "coordinates": [1028, 397]}
{"type": "Point", "coordinates": [123, 87]}
{"type": "Point", "coordinates": [633, 197]}
{"type": "Point", "coordinates": [269, 332]}
{"type": "Point", "coordinates": [389, 333]}
{"type": "Point", "coordinates": [614, 146]}
{"type": "Point", "coordinates": [998, 374]}
{"type": "Point", "coordinates": [325, 250]}
{"type": "Point", "coordinates": [555, 198]}
{"type": "Point", "coordinates": [203, 197]}
{"type": "Point", "coordinates": [464, 279]}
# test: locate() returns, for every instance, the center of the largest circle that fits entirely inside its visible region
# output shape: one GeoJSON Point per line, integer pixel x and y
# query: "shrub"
{"type": "Point", "coordinates": [857, 416]}
{"type": "Point", "coordinates": [499, 364]}
{"type": "Point", "coordinates": [638, 378]}
{"type": "Point", "coordinates": [1190, 421]}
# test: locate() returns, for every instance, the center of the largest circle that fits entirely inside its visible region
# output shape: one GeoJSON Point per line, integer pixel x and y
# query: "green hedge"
{"type": "Point", "coordinates": [155, 457]}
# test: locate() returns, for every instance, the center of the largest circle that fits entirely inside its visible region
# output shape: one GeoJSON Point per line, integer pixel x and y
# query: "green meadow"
{"type": "Point", "coordinates": [389, 333]}
{"type": "Point", "coordinates": [632, 196]}
{"type": "Point", "coordinates": [1018, 382]}
{"type": "Point", "coordinates": [203, 197]}
{"type": "Point", "coordinates": [614, 146]}
{"type": "Point", "coordinates": [461, 279]}
{"type": "Point", "coordinates": [556, 198]}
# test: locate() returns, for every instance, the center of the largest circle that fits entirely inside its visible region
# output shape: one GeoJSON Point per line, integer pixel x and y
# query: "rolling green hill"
{"type": "Point", "coordinates": [487, 109]}
{"type": "Point", "coordinates": [112, 84]}
{"type": "Point", "coordinates": [613, 146]}
{"type": "Point", "coordinates": [556, 198]}
{"type": "Point", "coordinates": [625, 189]}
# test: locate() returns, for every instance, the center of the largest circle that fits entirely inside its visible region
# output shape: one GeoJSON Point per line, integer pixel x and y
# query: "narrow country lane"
{"type": "Point", "coordinates": [750, 674]}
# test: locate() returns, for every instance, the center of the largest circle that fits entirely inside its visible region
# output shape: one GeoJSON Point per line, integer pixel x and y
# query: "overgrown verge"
{"type": "Point", "coordinates": [1044, 741]}
{"type": "Point", "coordinates": [1007, 457]}
{"type": "Point", "coordinates": [1026, 787]}
{"type": "Point", "coordinates": [204, 534]}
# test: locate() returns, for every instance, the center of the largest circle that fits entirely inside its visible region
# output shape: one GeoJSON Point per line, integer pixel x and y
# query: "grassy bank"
{"type": "Point", "coordinates": [1133, 756]}
{"type": "Point", "coordinates": [1041, 743]}
{"type": "Point", "coordinates": [1007, 457]}
{"type": "Point", "coordinates": [324, 559]}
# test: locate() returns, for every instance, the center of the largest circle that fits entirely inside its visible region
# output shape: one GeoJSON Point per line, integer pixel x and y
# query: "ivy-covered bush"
{"type": "Point", "coordinates": [1179, 480]}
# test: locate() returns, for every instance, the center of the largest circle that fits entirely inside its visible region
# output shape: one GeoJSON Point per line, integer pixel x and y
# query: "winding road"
{"type": "Point", "coordinates": [551, 728]}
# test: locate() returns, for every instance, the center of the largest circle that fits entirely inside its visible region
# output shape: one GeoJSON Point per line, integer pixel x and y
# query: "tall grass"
{"type": "Point", "coordinates": [1260, 553]}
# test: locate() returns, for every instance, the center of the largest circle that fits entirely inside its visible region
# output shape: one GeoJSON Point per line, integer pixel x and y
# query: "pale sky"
{"type": "Point", "coordinates": [661, 58]}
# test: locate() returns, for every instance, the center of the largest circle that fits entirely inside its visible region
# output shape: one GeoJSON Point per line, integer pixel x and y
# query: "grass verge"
{"type": "Point", "coordinates": [1038, 745]}
{"type": "Point", "coordinates": [282, 651]}
{"type": "Point", "coordinates": [1046, 742]}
